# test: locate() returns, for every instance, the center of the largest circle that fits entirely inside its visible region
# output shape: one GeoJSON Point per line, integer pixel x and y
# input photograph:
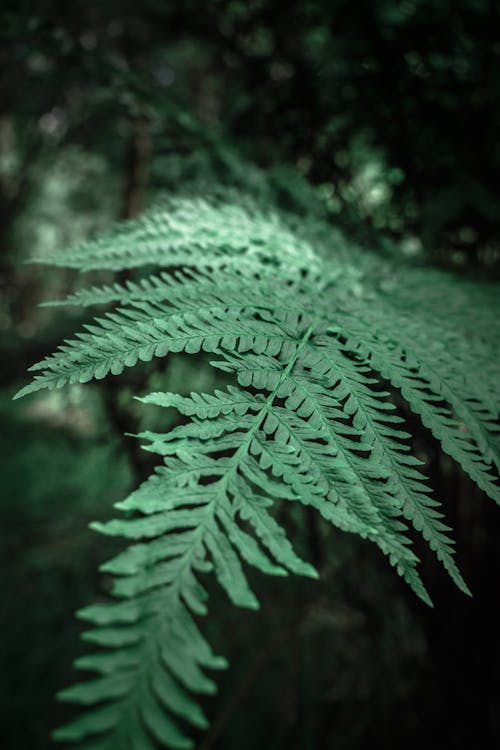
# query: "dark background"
{"type": "Point", "coordinates": [381, 116]}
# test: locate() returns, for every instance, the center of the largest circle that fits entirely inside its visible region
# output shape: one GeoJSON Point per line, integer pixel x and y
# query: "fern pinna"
{"type": "Point", "coordinates": [311, 347]}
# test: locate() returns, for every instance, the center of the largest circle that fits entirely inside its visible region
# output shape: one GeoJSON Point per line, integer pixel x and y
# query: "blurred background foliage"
{"type": "Point", "coordinates": [381, 117]}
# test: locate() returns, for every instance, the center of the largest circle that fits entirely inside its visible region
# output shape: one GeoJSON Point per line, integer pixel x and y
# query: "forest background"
{"type": "Point", "coordinates": [381, 116]}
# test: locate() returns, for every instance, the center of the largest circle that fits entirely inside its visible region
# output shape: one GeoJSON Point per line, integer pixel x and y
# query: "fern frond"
{"type": "Point", "coordinates": [120, 339]}
{"type": "Point", "coordinates": [191, 512]}
{"type": "Point", "coordinates": [190, 232]}
{"type": "Point", "coordinates": [435, 387]}
{"type": "Point", "coordinates": [194, 526]}
{"type": "Point", "coordinates": [312, 348]}
{"type": "Point", "coordinates": [198, 313]}
{"type": "Point", "coordinates": [185, 289]}
{"type": "Point", "coordinates": [383, 430]}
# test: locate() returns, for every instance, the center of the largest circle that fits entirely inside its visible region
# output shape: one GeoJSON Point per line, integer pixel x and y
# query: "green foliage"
{"type": "Point", "coordinates": [326, 354]}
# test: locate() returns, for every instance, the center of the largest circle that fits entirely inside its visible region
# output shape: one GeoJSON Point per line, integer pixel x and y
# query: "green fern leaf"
{"type": "Point", "coordinates": [312, 349]}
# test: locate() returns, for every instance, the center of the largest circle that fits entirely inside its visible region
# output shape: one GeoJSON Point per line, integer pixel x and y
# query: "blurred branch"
{"type": "Point", "coordinates": [282, 636]}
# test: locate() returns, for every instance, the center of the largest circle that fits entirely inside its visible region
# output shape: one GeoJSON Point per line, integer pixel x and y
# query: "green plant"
{"type": "Point", "coordinates": [325, 350]}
